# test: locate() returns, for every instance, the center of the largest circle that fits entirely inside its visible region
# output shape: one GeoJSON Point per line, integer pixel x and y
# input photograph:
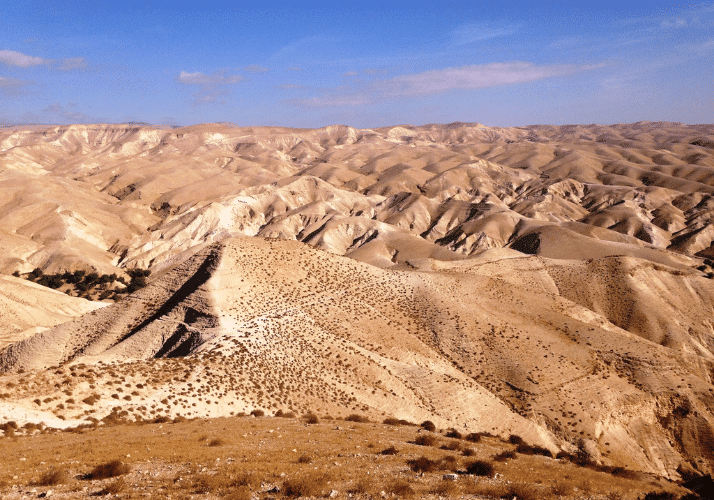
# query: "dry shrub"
{"type": "Point", "coordinates": [209, 483]}
{"type": "Point", "coordinates": [363, 486]}
{"type": "Point", "coordinates": [239, 493]}
{"type": "Point", "coordinates": [308, 485]}
{"type": "Point", "coordinates": [53, 477]}
{"type": "Point", "coordinates": [423, 464]}
{"type": "Point", "coordinates": [250, 480]}
{"type": "Point", "coordinates": [446, 488]}
{"type": "Point", "coordinates": [428, 425]}
{"type": "Point", "coordinates": [504, 455]}
{"type": "Point", "coordinates": [449, 463]}
{"type": "Point", "coordinates": [484, 489]}
{"type": "Point", "coordinates": [425, 440]}
{"type": "Point", "coordinates": [115, 487]}
{"type": "Point", "coordinates": [216, 442]}
{"type": "Point", "coordinates": [304, 459]}
{"type": "Point", "coordinates": [311, 418]}
{"type": "Point", "coordinates": [389, 451]}
{"type": "Point", "coordinates": [480, 468]}
{"type": "Point", "coordinates": [513, 439]}
{"type": "Point", "coordinates": [400, 488]}
{"type": "Point", "coordinates": [453, 433]}
{"type": "Point", "coordinates": [526, 449]}
{"type": "Point", "coordinates": [561, 488]}
{"type": "Point", "coordinates": [357, 418]}
{"type": "Point", "coordinates": [468, 452]}
{"type": "Point", "coordinates": [523, 491]}
{"type": "Point", "coordinates": [109, 469]}
{"type": "Point", "coordinates": [451, 445]}
{"type": "Point", "coordinates": [396, 421]}
{"type": "Point", "coordinates": [474, 437]}
{"type": "Point", "coordinates": [660, 495]}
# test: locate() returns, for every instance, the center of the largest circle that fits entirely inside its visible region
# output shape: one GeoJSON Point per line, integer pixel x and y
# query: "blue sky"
{"type": "Point", "coordinates": [364, 64]}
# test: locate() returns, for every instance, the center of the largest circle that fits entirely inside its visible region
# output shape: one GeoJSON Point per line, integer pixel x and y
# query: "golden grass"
{"type": "Point", "coordinates": [252, 460]}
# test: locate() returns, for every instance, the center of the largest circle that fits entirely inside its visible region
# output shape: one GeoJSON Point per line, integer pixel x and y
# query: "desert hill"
{"type": "Point", "coordinates": [101, 196]}
{"type": "Point", "coordinates": [560, 352]}
{"type": "Point", "coordinates": [549, 282]}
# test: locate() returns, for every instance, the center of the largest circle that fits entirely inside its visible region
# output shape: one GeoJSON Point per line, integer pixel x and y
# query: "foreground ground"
{"type": "Point", "coordinates": [272, 457]}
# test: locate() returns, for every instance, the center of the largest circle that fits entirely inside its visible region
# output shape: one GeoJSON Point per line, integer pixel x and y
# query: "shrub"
{"type": "Point", "coordinates": [109, 469]}
{"type": "Point", "coordinates": [468, 452]}
{"type": "Point", "coordinates": [423, 464]}
{"type": "Point", "coordinates": [304, 459]}
{"type": "Point", "coordinates": [391, 421]}
{"type": "Point", "coordinates": [257, 413]}
{"type": "Point", "coordinates": [526, 449]}
{"type": "Point", "coordinates": [513, 439]}
{"type": "Point", "coordinates": [216, 442]}
{"type": "Point", "coordinates": [425, 440]}
{"type": "Point", "coordinates": [357, 418]}
{"type": "Point", "coordinates": [504, 455]}
{"type": "Point", "coordinates": [428, 425]}
{"type": "Point", "coordinates": [474, 437]}
{"type": "Point", "coordinates": [480, 468]}
{"type": "Point", "coordinates": [53, 477]}
{"type": "Point", "coordinates": [400, 488]}
{"type": "Point", "coordinates": [453, 433]}
{"type": "Point", "coordinates": [389, 451]}
{"type": "Point", "coordinates": [523, 491]}
{"type": "Point", "coordinates": [311, 418]}
{"type": "Point", "coordinates": [452, 446]}
{"type": "Point", "coordinates": [306, 485]}
{"type": "Point", "coordinates": [115, 487]}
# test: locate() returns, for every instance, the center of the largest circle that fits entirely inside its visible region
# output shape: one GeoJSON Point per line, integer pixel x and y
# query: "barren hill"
{"type": "Point", "coordinates": [550, 282]}
{"type": "Point", "coordinates": [554, 351]}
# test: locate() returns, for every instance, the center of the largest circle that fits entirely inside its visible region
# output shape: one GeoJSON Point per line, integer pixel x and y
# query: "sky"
{"type": "Point", "coordinates": [363, 64]}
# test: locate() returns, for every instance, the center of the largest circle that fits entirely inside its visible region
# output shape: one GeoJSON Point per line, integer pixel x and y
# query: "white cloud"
{"type": "Point", "coordinates": [444, 80]}
{"type": "Point", "coordinates": [214, 79]}
{"type": "Point", "coordinates": [212, 86]}
{"type": "Point", "coordinates": [73, 63]}
{"type": "Point", "coordinates": [476, 32]}
{"type": "Point", "coordinates": [12, 58]}
{"type": "Point", "coordinates": [475, 77]}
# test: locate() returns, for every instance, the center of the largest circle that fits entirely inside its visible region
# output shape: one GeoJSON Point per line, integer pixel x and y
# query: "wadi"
{"type": "Point", "coordinates": [548, 287]}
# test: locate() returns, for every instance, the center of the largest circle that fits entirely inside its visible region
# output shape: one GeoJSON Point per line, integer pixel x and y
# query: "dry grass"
{"type": "Point", "coordinates": [312, 484]}
{"type": "Point", "coordinates": [400, 488]}
{"type": "Point", "coordinates": [53, 477]}
{"type": "Point", "coordinates": [251, 463]}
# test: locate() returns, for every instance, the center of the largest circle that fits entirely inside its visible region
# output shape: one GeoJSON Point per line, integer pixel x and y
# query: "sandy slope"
{"type": "Point", "coordinates": [27, 308]}
{"type": "Point", "coordinates": [551, 350]}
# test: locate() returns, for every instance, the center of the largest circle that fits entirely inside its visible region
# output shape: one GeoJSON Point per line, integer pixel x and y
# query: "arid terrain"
{"type": "Point", "coordinates": [551, 283]}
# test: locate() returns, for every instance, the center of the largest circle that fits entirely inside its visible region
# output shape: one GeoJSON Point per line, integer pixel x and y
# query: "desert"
{"type": "Point", "coordinates": [548, 287]}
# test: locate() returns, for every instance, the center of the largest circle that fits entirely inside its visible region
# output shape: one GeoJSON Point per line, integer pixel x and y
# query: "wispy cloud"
{"type": "Point", "coordinates": [254, 68]}
{"type": "Point", "coordinates": [12, 58]}
{"type": "Point", "coordinates": [212, 86]}
{"type": "Point", "coordinates": [73, 63]}
{"type": "Point", "coordinates": [13, 86]}
{"type": "Point", "coordinates": [350, 73]}
{"type": "Point", "coordinates": [294, 68]}
{"type": "Point", "coordinates": [217, 78]}
{"type": "Point", "coordinates": [444, 80]}
{"type": "Point", "coordinates": [65, 115]}
{"type": "Point", "coordinates": [476, 32]}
